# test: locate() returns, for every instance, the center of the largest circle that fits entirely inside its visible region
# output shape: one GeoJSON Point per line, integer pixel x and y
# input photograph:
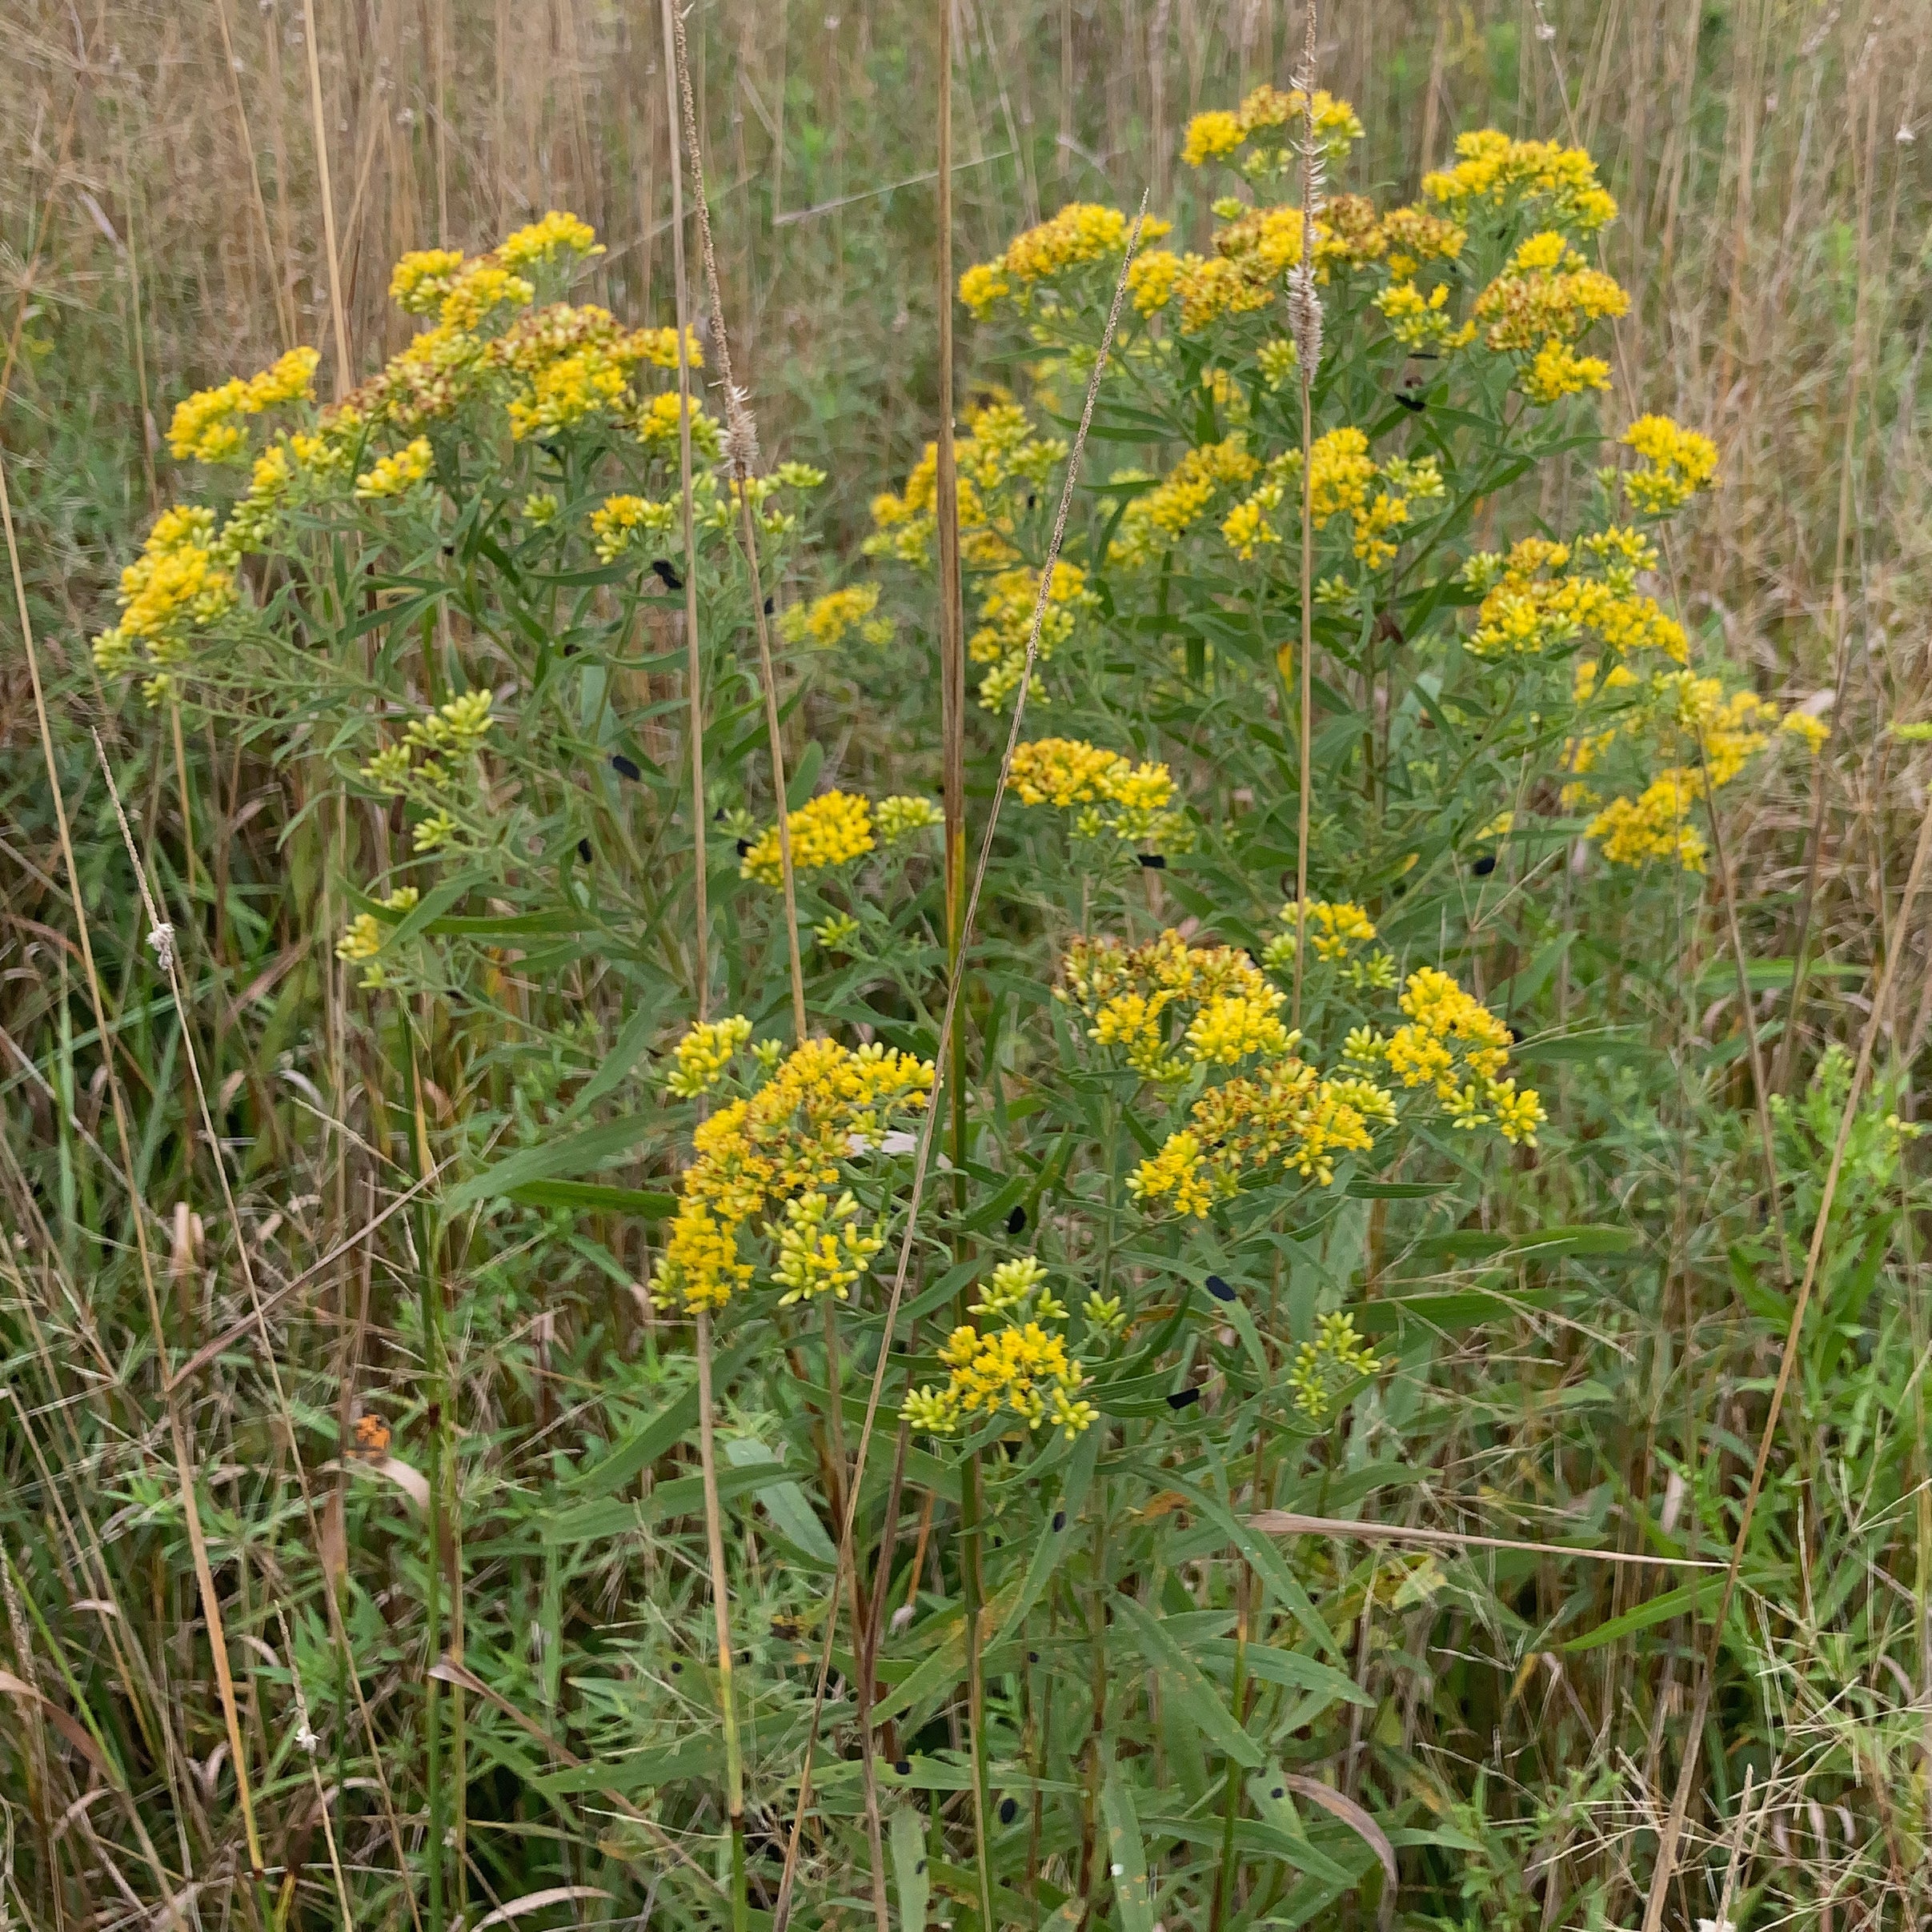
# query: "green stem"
{"type": "Point", "coordinates": [436, 1369]}
{"type": "Point", "coordinates": [727, 1707]}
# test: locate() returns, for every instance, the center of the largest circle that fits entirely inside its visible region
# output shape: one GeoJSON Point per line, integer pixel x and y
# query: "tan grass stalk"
{"type": "Point", "coordinates": [708, 1444]}
{"type": "Point", "coordinates": [211, 1607]}
{"type": "Point", "coordinates": [694, 659]}
{"type": "Point", "coordinates": [1304, 323]}
{"type": "Point", "coordinates": [345, 365]}
{"type": "Point", "coordinates": [923, 1154]}
{"type": "Point", "coordinates": [1288, 1523]}
{"type": "Point", "coordinates": [952, 731]}
{"type": "Point", "coordinates": [1894, 944]}
{"type": "Point", "coordinates": [741, 447]}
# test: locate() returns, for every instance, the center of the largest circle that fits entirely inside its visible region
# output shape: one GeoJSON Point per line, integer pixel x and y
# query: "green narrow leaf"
{"type": "Point", "coordinates": [589, 1197]}
{"type": "Point", "coordinates": [587, 1147]}
{"type": "Point", "coordinates": [1127, 1862]}
{"type": "Point", "coordinates": [909, 1868]}
{"type": "Point", "coordinates": [1196, 1695]}
{"type": "Point", "coordinates": [1686, 1599]}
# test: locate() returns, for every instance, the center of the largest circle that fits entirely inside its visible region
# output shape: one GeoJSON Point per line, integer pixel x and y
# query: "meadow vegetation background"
{"type": "Point", "coordinates": [361, 1514]}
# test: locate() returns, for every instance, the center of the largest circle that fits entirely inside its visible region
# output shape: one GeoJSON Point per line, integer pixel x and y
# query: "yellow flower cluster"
{"type": "Point", "coordinates": [400, 471]}
{"type": "Point", "coordinates": [1545, 297]}
{"type": "Point", "coordinates": [1133, 802]}
{"type": "Point", "coordinates": [1421, 323]}
{"type": "Point", "coordinates": [1133, 997]}
{"type": "Point", "coordinates": [829, 830]}
{"type": "Point", "coordinates": [1081, 233]}
{"type": "Point", "coordinates": [703, 1054]}
{"type": "Point", "coordinates": [820, 1249]}
{"type": "Point", "coordinates": [1333, 926]}
{"type": "Point", "coordinates": [365, 938]}
{"type": "Point", "coordinates": [1342, 479]}
{"type": "Point", "coordinates": [1544, 594]}
{"type": "Point", "coordinates": [1677, 714]}
{"type": "Point", "coordinates": [1452, 1043]}
{"type": "Point", "coordinates": [207, 426]}
{"type": "Point", "coordinates": [569, 364]}
{"type": "Point", "coordinates": [822, 1104]}
{"type": "Point", "coordinates": [825, 621]}
{"type": "Point", "coordinates": [1018, 1369]}
{"type": "Point", "coordinates": [1001, 463]}
{"type": "Point", "coordinates": [183, 582]}
{"type": "Point", "coordinates": [1155, 520]}
{"type": "Point", "coordinates": [454, 730]}
{"type": "Point", "coordinates": [1493, 172]}
{"type": "Point", "coordinates": [905, 813]}
{"type": "Point", "coordinates": [557, 238]}
{"type": "Point", "coordinates": [618, 521]}
{"type": "Point", "coordinates": [1268, 111]}
{"type": "Point", "coordinates": [1336, 1358]}
{"type": "Point", "coordinates": [1677, 463]}
{"type": "Point", "coordinates": [1006, 623]}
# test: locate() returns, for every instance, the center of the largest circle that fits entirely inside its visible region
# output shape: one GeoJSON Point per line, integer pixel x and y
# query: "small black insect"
{"type": "Point", "coordinates": [1032, 500]}
{"type": "Point", "coordinates": [1219, 1288]}
{"type": "Point", "coordinates": [1279, 1791]}
{"type": "Point", "coordinates": [570, 649]}
{"type": "Point", "coordinates": [1033, 1656]}
{"type": "Point", "coordinates": [666, 574]}
{"type": "Point", "coordinates": [744, 845]}
{"type": "Point", "coordinates": [1060, 1521]}
{"type": "Point", "coordinates": [1409, 400]}
{"type": "Point", "coordinates": [1009, 1809]}
{"type": "Point", "coordinates": [584, 849]}
{"type": "Point", "coordinates": [625, 767]}
{"type": "Point", "coordinates": [1485, 865]}
{"type": "Point", "coordinates": [1153, 862]}
{"type": "Point", "coordinates": [1015, 1222]}
{"type": "Point", "coordinates": [767, 606]}
{"type": "Point", "coordinates": [677, 1669]}
{"type": "Point", "coordinates": [448, 549]}
{"type": "Point", "coordinates": [903, 1767]}
{"type": "Point", "coordinates": [1184, 1398]}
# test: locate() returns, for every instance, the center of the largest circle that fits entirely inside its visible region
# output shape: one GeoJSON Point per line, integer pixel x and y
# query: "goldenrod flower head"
{"type": "Point", "coordinates": [620, 521]}
{"type": "Point", "coordinates": [1265, 111]}
{"type": "Point", "coordinates": [832, 829]}
{"type": "Point", "coordinates": [1810, 732]}
{"type": "Point", "coordinates": [541, 508]}
{"type": "Point", "coordinates": [1334, 926]}
{"type": "Point", "coordinates": [820, 1250]}
{"type": "Point", "coordinates": [1678, 462]}
{"type": "Point", "coordinates": [481, 294]}
{"type": "Point", "coordinates": [705, 1052]}
{"type": "Point", "coordinates": [423, 277]}
{"type": "Point", "coordinates": [366, 937]}
{"type": "Point", "coordinates": [903, 813]}
{"type": "Point", "coordinates": [825, 621]}
{"type": "Point", "coordinates": [1321, 1368]}
{"type": "Point", "coordinates": [399, 471]}
{"type": "Point", "coordinates": [660, 348]}
{"type": "Point", "coordinates": [657, 426]}
{"type": "Point", "coordinates": [204, 428]}
{"type": "Point", "coordinates": [823, 1104]}
{"type": "Point", "coordinates": [1492, 170]}
{"type": "Point", "coordinates": [1019, 1368]}
{"type": "Point", "coordinates": [557, 238]}
{"type": "Point", "coordinates": [1081, 232]}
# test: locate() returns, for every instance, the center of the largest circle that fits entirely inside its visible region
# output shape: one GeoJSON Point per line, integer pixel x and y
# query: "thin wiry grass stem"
{"type": "Point", "coordinates": [953, 728]}
{"type": "Point", "coordinates": [721, 1613]}
{"type": "Point", "coordinates": [741, 447]}
{"type": "Point", "coordinates": [173, 1384]}
{"type": "Point", "coordinates": [345, 363]}
{"type": "Point", "coordinates": [204, 1576]}
{"type": "Point", "coordinates": [1894, 944]}
{"type": "Point", "coordinates": [948, 1019]}
{"type": "Point", "coordinates": [693, 656]}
